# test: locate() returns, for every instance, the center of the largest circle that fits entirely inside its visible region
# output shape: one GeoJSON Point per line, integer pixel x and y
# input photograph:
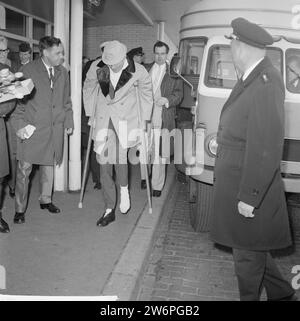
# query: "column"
{"type": "Point", "coordinates": [76, 90]}
{"type": "Point", "coordinates": [61, 30]}
{"type": "Point", "coordinates": [161, 30]}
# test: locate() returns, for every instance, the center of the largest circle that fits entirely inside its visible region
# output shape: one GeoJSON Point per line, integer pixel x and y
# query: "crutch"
{"type": "Point", "coordinates": [88, 150]}
{"type": "Point", "coordinates": [143, 146]}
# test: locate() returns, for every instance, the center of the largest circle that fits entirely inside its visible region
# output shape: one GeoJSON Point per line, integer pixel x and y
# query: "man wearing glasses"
{"type": "Point", "coordinates": [250, 213]}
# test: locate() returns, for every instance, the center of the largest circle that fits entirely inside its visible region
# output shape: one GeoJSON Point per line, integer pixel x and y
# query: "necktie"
{"type": "Point", "coordinates": [51, 76]}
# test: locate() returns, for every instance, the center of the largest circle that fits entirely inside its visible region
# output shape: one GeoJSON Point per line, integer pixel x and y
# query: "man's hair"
{"type": "Point", "coordinates": [48, 42]}
{"type": "Point", "coordinates": [3, 39]}
{"type": "Point", "coordinates": [160, 44]}
{"type": "Point", "coordinates": [24, 47]}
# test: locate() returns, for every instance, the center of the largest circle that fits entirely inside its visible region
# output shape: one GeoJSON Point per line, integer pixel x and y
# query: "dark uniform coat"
{"type": "Point", "coordinates": [172, 89]}
{"type": "Point", "coordinates": [50, 111]}
{"type": "Point", "coordinates": [250, 144]}
{"type": "Point", "coordinates": [5, 108]}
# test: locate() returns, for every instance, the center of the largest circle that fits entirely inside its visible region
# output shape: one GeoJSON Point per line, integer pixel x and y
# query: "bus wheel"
{"type": "Point", "coordinates": [200, 210]}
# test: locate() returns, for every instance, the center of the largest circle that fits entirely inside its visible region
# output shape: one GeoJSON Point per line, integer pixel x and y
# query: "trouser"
{"type": "Point", "coordinates": [113, 154]}
{"type": "Point", "coordinates": [255, 270]}
{"type": "Point", "coordinates": [93, 164]}
{"type": "Point", "coordinates": [12, 147]}
{"type": "Point", "coordinates": [46, 185]}
{"type": "Point", "coordinates": [95, 168]}
{"type": "Point", "coordinates": [1, 192]}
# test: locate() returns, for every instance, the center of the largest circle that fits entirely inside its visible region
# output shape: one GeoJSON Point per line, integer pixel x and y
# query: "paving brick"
{"type": "Point", "coordinates": [190, 267]}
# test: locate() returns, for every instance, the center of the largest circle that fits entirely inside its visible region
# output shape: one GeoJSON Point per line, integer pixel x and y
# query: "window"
{"type": "Point", "coordinates": [220, 69]}
{"type": "Point", "coordinates": [15, 22]}
{"type": "Point", "coordinates": [275, 55]}
{"type": "Point", "coordinates": [36, 52]}
{"type": "Point", "coordinates": [221, 72]}
{"type": "Point", "coordinates": [293, 70]}
{"type": "Point", "coordinates": [191, 52]}
{"type": "Point", "coordinates": [39, 29]}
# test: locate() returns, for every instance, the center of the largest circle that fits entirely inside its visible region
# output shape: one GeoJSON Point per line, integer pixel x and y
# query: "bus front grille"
{"type": "Point", "coordinates": [291, 150]}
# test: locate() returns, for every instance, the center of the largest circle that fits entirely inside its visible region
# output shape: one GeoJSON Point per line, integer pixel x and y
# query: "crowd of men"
{"type": "Point", "coordinates": [35, 125]}
{"type": "Point", "coordinates": [121, 95]}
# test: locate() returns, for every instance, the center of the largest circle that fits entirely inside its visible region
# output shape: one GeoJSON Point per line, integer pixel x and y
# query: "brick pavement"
{"type": "Point", "coordinates": [185, 265]}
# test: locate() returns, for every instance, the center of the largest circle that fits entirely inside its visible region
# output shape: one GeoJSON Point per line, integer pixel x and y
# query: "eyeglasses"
{"type": "Point", "coordinates": [232, 37]}
{"type": "Point", "coordinates": [3, 50]}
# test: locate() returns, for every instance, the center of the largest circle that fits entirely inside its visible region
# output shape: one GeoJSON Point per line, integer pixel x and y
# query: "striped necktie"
{"type": "Point", "coordinates": [51, 77]}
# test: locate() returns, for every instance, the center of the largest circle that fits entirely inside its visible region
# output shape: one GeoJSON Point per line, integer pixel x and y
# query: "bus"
{"type": "Point", "coordinates": [204, 62]}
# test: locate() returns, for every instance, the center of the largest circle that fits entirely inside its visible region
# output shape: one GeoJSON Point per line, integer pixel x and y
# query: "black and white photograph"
{"type": "Point", "coordinates": [149, 154]}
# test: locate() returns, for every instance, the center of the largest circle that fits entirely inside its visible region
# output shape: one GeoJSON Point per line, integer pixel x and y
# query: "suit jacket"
{"type": "Point", "coordinates": [172, 89]}
{"type": "Point", "coordinates": [120, 105]}
{"type": "Point", "coordinates": [5, 109]}
{"type": "Point", "coordinates": [50, 111]}
{"type": "Point", "coordinates": [250, 144]}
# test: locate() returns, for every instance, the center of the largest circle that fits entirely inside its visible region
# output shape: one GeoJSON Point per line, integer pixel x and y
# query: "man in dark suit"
{"type": "Point", "coordinates": [5, 108]}
{"type": "Point", "coordinates": [168, 93]}
{"type": "Point", "coordinates": [250, 213]}
{"type": "Point", "coordinates": [48, 110]}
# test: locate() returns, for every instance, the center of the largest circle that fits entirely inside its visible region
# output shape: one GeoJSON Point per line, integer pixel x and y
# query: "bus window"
{"type": "Point", "coordinates": [220, 71]}
{"type": "Point", "coordinates": [275, 55]}
{"type": "Point", "coordinates": [293, 70]}
{"type": "Point", "coordinates": [191, 52]}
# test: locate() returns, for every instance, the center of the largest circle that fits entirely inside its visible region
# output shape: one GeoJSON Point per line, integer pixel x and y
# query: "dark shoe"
{"type": "Point", "coordinates": [106, 219]}
{"type": "Point", "coordinates": [143, 184]}
{"type": "Point", "coordinates": [4, 228]}
{"type": "Point", "coordinates": [291, 297]}
{"type": "Point", "coordinates": [19, 218]}
{"type": "Point", "coordinates": [50, 207]}
{"type": "Point", "coordinates": [156, 193]}
{"type": "Point", "coordinates": [12, 192]}
{"type": "Point", "coordinates": [98, 185]}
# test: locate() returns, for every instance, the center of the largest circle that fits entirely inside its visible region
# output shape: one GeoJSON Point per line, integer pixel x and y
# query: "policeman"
{"type": "Point", "coordinates": [136, 54]}
{"type": "Point", "coordinates": [250, 213]}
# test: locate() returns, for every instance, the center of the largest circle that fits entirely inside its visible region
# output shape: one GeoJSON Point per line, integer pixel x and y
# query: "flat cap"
{"type": "Point", "coordinates": [135, 51]}
{"type": "Point", "coordinates": [251, 33]}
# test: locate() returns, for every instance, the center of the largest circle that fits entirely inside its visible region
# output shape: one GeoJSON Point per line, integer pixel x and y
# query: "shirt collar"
{"type": "Point", "coordinates": [47, 67]}
{"type": "Point", "coordinates": [250, 69]}
{"type": "Point", "coordinates": [124, 67]}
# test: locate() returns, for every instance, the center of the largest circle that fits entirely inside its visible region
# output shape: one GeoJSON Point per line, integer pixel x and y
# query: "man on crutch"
{"type": "Point", "coordinates": [117, 125]}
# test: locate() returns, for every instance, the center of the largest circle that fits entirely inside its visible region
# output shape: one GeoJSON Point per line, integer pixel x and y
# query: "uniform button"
{"type": "Point", "coordinates": [255, 192]}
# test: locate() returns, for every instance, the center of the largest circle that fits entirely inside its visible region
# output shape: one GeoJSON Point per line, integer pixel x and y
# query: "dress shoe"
{"type": "Point", "coordinates": [50, 207]}
{"type": "Point", "coordinates": [97, 185]}
{"type": "Point", "coordinates": [156, 193]}
{"type": "Point", "coordinates": [19, 218]}
{"type": "Point", "coordinates": [124, 200]}
{"type": "Point", "coordinates": [291, 297]}
{"type": "Point", "coordinates": [143, 184]}
{"type": "Point", "coordinates": [4, 228]}
{"type": "Point", "coordinates": [12, 192]}
{"type": "Point", "coordinates": [107, 218]}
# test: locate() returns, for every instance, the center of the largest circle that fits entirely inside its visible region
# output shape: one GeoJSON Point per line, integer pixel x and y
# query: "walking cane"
{"type": "Point", "coordinates": [88, 151]}
{"type": "Point", "coordinates": [143, 146]}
